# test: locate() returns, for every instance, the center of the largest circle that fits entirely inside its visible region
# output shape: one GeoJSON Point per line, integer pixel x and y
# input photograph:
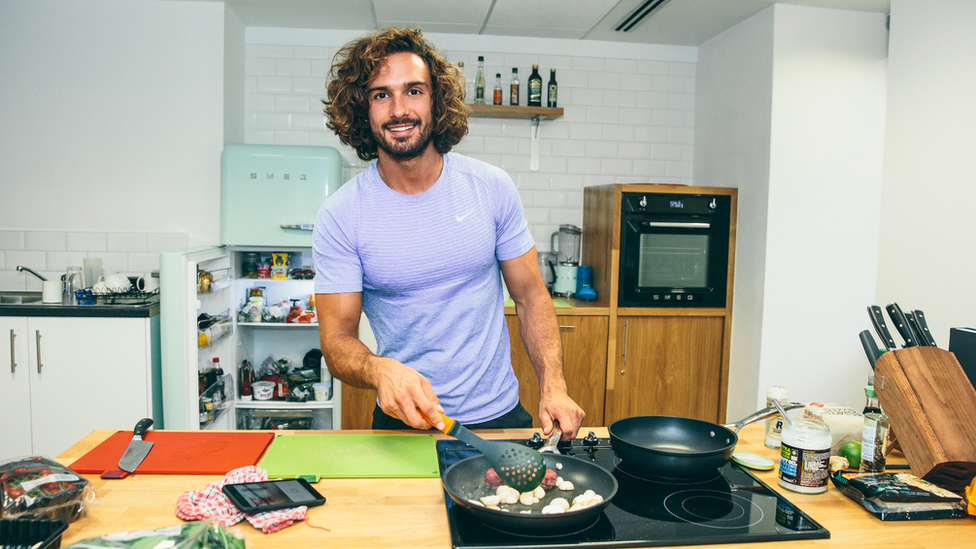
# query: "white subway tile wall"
{"type": "Point", "coordinates": [624, 121]}
{"type": "Point", "coordinates": [50, 253]}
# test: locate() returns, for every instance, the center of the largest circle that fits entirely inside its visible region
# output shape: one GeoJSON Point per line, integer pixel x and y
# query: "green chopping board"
{"type": "Point", "coordinates": [351, 456]}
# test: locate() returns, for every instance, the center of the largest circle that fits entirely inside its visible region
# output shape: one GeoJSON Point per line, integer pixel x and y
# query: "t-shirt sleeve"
{"type": "Point", "coordinates": [337, 266]}
{"type": "Point", "coordinates": [513, 237]}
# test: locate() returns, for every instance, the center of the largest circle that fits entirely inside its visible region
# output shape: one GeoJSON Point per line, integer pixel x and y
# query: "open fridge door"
{"type": "Point", "coordinates": [197, 322]}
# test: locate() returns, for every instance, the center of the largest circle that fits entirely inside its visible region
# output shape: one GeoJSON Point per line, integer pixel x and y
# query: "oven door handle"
{"type": "Point", "coordinates": [677, 224]}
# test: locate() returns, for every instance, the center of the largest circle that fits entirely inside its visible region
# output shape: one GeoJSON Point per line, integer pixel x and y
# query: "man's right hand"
{"type": "Point", "coordinates": [405, 394]}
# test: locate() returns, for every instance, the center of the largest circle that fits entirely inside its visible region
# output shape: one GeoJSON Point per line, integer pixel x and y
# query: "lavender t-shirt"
{"type": "Point", "coordinates": [427, 266]}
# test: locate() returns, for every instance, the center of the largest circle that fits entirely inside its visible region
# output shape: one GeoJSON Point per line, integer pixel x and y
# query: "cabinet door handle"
{"type": "Point", "coordinates": [567, 327]}
{"type": "Point", "coordinates": [13, 355]}
{"type": "Point", "coordinates": [626, 338]}
{"type": "Point", "coordinates": [38, 337]}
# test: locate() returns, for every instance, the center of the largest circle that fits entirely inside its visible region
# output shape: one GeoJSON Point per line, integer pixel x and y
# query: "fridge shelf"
{"type": "Point", "coordinates": [214, 333]}
{"type": "Point", "coordinates": [283, 404]}
{"type": "Point", "coordinates": [217, 399]}
{"type": "Point", "coordinates": [286, 325]}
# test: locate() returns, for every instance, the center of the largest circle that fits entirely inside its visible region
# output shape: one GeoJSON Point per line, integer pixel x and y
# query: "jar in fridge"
{"type": "Point", "coordinates": [249, 265]}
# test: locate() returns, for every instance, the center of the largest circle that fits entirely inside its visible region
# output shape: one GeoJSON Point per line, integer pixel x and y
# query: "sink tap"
{"type": "Point", "coordinates": [21, 268]}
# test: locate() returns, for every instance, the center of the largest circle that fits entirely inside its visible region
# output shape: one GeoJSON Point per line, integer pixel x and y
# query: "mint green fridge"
{"type": "Point", "coordinates": [270, 195]}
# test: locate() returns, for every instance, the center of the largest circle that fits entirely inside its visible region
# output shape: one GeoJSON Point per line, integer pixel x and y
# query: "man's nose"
{"type": "Point", "coordinates": [398, 106]}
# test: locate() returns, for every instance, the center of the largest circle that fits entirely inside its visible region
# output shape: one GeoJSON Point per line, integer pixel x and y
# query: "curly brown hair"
{"type": "Point", "coordinates": [355, 64]}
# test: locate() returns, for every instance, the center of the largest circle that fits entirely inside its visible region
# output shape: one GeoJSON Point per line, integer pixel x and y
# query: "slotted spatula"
{"type": "Point", "coordinates": [519, 466]}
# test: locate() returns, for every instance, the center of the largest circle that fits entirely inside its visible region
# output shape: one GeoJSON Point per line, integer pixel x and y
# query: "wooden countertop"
{"type": "Point", "coordinates": [379, 513]}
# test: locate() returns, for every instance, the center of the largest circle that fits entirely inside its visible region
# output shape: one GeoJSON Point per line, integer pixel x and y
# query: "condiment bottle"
{"type": "Point", "coordinates": [535, 88]}
{"type": "Point", "coordinates": [513, 98]}
{"type": "Point", "coordinates": [479, 82]}
{"type": "Point", "coordinates": [871, 404]}
{"type": "Point", "coordinates": [874, 437]}
{"type": "Point", "coordinates": [804, 456]}
{"type": "Point", "coordinates": [774, 424]}
{"type": "Point", "coordinates": [497, 95]}
{"type": "Point", "coordinates": [552, 87]}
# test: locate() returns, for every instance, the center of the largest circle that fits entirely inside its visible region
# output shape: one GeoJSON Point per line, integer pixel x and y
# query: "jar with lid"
{"type": "Point", "coordinates": [804, 456]}
{"type": "Point", "coordinates": [774, 423]}
{"type": "Point", "coordinates": [249, 265]}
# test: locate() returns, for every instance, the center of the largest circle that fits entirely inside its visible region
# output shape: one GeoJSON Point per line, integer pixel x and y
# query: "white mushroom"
{"type": "Point", "coordinates": [507, 494]}
{"type": "Point", "coordinates": [495, 507]}
{"type": "Point", "coordinates": [478, 503]}
{"type": "Point", "coordinates": [560, 502]}
{"type": "Point", "coordinates": [526, 498]}
{"type": "Point", "coordinates": [539, 492]}
{"type": "Point", "coordinates": [566, 486]}
{"type": "Point", "coordinates": [526, 512]}
{"type": "Point", "coordinates": [491, 500]}
{"type": "Point", "coordinates": [552, 509]}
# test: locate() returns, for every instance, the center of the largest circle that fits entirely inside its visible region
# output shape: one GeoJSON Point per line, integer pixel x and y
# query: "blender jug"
{"type": "Point", "coordinates": [568, 240]}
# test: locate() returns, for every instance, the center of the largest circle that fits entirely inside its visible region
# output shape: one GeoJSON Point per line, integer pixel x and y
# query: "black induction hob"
{"type": "Point", "coordinates": [732, 506]}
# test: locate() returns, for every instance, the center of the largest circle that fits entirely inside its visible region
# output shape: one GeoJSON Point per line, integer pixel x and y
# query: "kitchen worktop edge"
{"type": "Point", "coordinates": [90, 311]}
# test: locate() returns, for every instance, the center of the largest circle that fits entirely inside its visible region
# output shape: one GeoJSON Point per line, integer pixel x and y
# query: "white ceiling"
{"type": "Point", "coordinates": [674, 22]}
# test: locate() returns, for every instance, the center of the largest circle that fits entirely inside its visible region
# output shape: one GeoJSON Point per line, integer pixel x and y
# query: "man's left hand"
{"type": "Point", "coordinates": [558, 407]}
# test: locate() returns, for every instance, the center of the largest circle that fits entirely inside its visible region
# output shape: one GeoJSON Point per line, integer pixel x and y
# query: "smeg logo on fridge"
{"type": "Point", "coordinates": [283, 176]}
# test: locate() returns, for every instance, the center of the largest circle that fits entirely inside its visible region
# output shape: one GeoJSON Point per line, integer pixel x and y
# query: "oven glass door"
{"type": "Point", "coordinates": [673, 263]}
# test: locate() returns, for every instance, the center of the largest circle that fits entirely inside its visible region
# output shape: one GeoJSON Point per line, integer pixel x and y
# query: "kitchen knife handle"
{"type": "Point", "coordinates": [877, 319]}
{"type": "Point", "coordinates": [142, 427]}
{"type": "Point", "coordinates": [924, 327]}
{"type": "Point", "coordinates": [916, 331]}
{"type": "Point", "coordinates": [901, 324]}
{"type": "Point", "coordinates": [870, 347]}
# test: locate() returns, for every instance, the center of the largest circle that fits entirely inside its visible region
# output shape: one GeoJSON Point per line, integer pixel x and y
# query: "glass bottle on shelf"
{"type": "Point", "coordinates": [479, 82]}
{"type": "Point", "coordinates": [871, 403]}
{"type": "Point", "coordinates": [551, 93]}
{"type": "Point", "coordinates": [535, 88]}
{"type": "Point", "coordinates": [497, 95]}
{"type": "Point", "coordinates": [513, 98]}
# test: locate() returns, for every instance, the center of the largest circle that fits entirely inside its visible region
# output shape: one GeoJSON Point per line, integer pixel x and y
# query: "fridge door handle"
{"type": "Point", "coordinates": [13, 354]}
{"type": "Point", "coordinates": [299, 226]}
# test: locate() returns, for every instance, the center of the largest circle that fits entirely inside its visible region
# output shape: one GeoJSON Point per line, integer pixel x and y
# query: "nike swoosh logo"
{"type": "Point", "coordinates": [461, 217]}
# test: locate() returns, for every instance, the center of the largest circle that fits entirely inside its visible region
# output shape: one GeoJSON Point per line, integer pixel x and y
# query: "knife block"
{"type": "Point", "coordinates": [932, 408]}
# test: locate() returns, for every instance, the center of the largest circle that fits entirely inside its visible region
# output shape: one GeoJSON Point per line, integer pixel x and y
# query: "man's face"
{"type": "Point", "coordinates": [400, 99]}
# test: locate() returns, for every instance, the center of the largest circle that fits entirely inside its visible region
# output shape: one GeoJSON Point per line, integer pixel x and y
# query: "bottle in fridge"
{"type": "Point", "coordinates": [270, 195]}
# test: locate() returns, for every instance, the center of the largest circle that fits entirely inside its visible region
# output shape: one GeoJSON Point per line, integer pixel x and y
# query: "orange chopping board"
{"type": "Point", "coordinates": [179, 452]}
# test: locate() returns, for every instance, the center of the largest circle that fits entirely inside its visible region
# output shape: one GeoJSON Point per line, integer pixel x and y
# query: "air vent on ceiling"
{"type": "Point", "coordinates": [639, 14]}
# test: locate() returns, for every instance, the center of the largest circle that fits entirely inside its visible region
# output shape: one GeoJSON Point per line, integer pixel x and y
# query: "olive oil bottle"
{"type": "Point", "coordinates": [551, 93]}
{"type": "Point", "coordinates": [535, 88]}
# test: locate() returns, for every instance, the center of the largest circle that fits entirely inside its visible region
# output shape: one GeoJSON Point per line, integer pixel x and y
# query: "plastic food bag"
{"type": "Point", "coordinates": [899, 496]}
{"type": "Point", "coordinates": [203, 534]}
{"type": "Point", "coordinates": [40, 488]}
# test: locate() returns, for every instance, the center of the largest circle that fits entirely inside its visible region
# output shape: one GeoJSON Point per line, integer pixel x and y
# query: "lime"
{"type": "Point", "coordinates": [852, 451]}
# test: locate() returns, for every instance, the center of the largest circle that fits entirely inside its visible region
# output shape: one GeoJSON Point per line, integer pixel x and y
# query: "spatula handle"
{"type": "Point", "coordinates": [448, 422]}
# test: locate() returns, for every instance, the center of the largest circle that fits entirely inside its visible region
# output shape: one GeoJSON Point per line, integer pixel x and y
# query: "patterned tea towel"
{"type": "Point", "coordinates": [211, 502]}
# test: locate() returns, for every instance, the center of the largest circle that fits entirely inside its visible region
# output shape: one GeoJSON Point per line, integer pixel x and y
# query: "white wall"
{"type": "Point", "coordinates": [629, 111]}
{"type": "Point", "coordinates": [111, 127]}
{"type": "Point", "coordinates": [926, 256]}
{"type": "Point", "coordinates": [814, 252]}
{"type": "Point", "coordinates": [732, 132]}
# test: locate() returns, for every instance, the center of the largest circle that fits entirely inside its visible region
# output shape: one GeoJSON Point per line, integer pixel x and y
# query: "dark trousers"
{"type": "Point", "coordinates": [516, 418]}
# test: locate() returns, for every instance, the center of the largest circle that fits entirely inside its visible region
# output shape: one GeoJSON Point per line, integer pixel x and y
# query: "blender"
{"type": "Point", "coordinates": [567, 258]}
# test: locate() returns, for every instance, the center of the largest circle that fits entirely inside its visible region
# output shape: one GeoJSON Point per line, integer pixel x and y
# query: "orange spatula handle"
{"type": "Point", "coordinates": [448, 422]}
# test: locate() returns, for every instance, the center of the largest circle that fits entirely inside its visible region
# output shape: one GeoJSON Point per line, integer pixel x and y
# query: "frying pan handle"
{"type": "Point", "coordinates": [550, 447]}
{"type": "Point", "coordinates": [762, 414]}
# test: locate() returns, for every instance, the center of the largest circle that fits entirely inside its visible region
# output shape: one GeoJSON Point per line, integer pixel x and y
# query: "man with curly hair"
{"type": "Point", "coordinates": [418, 241]}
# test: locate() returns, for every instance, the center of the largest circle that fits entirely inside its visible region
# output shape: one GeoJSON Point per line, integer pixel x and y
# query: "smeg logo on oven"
{"type": "Point", "coordinates": [284, 176]}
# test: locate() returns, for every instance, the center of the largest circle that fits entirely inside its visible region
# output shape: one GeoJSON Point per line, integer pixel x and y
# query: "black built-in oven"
{"type": "Point", "coordinates": [674, 250]}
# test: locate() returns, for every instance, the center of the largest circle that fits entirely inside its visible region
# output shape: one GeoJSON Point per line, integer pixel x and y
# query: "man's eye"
{"type": "Point", "coordinates": [414, 91]}
{"type": "Point", "coordinates": [380, 95]}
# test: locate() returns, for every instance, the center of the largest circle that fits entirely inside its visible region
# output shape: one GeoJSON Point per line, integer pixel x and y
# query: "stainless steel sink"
{"type": "Point", "coordinates": [19, 298]}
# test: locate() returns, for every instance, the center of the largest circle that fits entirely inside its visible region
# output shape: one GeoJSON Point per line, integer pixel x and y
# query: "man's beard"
{"type": "Point", "coordinates": [404, 150]}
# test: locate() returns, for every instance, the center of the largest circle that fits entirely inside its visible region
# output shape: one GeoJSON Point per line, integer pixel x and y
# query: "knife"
{"type": "Point", "coordinates": [870, 347]}
{"type": "Point", "coordinates": [877, 318]}
{"type": "Point", "coordinates": [901, 324]}
{"type": "Point", "coordinates": [916, 330]}
{"type": "Point", "coordinates": [924, 327]}
{"type": "Point", "coordinates": [138, 449]}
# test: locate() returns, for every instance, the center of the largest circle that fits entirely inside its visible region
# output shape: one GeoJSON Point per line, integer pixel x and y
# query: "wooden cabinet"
{"type": "Point", "coordinates": [63, 377]}
{"type": "Point", "coordinates": [584, 340]}
{"type": "Point", "coordinates": [667, 365]}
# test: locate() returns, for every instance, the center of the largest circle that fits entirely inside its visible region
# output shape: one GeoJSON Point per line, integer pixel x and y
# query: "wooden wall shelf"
{"type": "Point", "coordinates": [514, 112]}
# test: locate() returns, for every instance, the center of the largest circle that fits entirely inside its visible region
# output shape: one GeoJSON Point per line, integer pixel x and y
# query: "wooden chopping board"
{"type": "Point", "coordinates": [352, 456]}
{"type": "Point", "coordinates": [179, 452]}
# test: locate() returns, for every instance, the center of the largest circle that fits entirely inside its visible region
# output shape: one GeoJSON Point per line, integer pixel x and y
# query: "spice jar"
{"type": "Point", "coordinates": [874, 438]}
{"type": "Point", "coordinates": [804, 456]}
{"type": "Point", "coordinates": [774, 424]}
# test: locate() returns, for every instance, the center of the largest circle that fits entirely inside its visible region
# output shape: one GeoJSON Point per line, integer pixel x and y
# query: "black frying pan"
{"type": "Point", "coordinates": [678, 447]}
{"type": "Point", "coordinates": [464, 482]}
